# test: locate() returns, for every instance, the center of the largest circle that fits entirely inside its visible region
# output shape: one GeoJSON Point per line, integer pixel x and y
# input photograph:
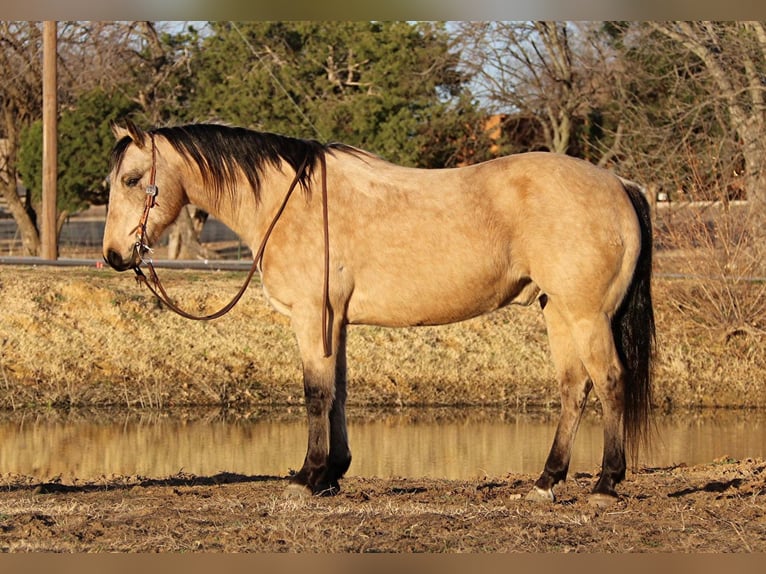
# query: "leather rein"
{"type": "Point", "coordinates": [156, 287]}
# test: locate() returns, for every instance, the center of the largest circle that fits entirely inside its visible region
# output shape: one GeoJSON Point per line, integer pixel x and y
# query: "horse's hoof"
{"type": "Point", "coordinates": [295, 490]}
{"type": "Point", "coordinates": [602, 500]}
{"type": "Point", "coordinates": [537, 494]}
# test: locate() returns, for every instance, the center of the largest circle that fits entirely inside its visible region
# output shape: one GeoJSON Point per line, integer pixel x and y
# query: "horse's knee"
{"type": "Point", "coordinates": [318, 400]}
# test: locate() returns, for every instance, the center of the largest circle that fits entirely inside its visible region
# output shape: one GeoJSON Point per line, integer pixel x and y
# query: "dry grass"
{"type": "Point", "coordinates": [718, 244]}
{"type": "Point", "coordinates": [715, 312]}
{"type": "Point", "coordinates": [76, 336]}
{"type": "Point", "coordinates": [87, 337]}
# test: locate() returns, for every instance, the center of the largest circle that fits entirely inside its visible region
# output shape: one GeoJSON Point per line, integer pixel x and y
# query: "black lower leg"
{"type": "Point", "coordinates": [339, 458]}
{"type": "Point", "coordinates": [612, 472]}
{"type": "Point", "coordinates": [314, 473]}
{"type": "Point", "coordinates": [573, 397]}
{"type": "Point", "coordinates": [548, 479]}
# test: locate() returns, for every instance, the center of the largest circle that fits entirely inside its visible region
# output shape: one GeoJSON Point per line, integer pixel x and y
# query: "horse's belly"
{"type": "Point", "coordinates": [434, 303]}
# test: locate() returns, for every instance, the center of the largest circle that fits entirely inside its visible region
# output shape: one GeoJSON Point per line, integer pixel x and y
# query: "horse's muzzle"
{"type": "Point", "coordinates": [117, 262]}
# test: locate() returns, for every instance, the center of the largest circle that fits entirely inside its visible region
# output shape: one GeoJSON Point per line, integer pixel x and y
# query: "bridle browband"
{"type": "Point", "coordinates": [155, 286]}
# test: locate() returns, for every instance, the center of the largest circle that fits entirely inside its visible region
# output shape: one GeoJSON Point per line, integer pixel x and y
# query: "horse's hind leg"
{"type": "Point", "coordinates": [598, 353]}
{"type": "Point", "coordinates": [574, 385]}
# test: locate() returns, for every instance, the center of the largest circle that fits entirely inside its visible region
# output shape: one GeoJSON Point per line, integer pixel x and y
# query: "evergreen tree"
{"type": "Point", "coordinates": [392, 88]}
{"type": "Point", "coordinates": [84, 141]}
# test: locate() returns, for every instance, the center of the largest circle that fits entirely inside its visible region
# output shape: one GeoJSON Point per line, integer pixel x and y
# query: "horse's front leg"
{"type": "Point", "coordinates": [324, 383]}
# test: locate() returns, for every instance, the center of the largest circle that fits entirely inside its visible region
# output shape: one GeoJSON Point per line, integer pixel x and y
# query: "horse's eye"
{"type": "Point", "coordinates": [132, 181]}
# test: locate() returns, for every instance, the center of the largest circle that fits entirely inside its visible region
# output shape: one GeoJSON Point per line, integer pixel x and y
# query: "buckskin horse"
{"type": "Point", "coordinates": [370, 242]}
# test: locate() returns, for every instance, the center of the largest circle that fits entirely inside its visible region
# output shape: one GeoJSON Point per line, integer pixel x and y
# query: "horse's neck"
{"type": "Point", "coordinates": [238, 209]}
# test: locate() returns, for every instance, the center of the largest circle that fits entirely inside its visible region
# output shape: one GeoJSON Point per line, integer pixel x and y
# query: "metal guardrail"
{"type": "Point", "coordinates": [208, 264]}
{"type": "Point", "coordinates": [244, 265]}
{"type": "Point", "coordinates": [709, 277]}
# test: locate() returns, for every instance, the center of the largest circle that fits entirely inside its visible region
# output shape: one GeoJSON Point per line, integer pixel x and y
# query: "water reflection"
{"type": "Point", "coordinates": [407, 443]}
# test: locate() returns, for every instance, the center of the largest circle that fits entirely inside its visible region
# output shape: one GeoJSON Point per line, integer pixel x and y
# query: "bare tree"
{"type": "Point", "coordinates": [733, 67]}
{"type": "Point", "coordinates": [20, 104]}
{"type": "Point", "coordinates": [692, 97]}
{"type": "Point", "coordinates": [114, 56]}
{"type": "Point", "coordinates": [553, 72]}
{"type": "Point", "coordinates": [84, 52]}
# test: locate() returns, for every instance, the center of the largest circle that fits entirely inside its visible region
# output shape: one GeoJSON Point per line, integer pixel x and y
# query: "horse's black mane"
{"type": "Point", "coordinates": [219, 151]}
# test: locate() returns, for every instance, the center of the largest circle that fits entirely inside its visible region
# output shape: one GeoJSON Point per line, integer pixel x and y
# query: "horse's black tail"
{"type": "Point", "coordinates": [634, 333]}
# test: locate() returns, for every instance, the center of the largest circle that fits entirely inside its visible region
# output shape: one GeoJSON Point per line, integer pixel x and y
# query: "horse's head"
{"type": "Point", "coordinates": [137, 159]}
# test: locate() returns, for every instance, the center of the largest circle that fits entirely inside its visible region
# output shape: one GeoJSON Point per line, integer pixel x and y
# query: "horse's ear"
{"type": "Point", "coordinates": [130, 130]}
{"type": "Point", "coordinates": [118, 131]}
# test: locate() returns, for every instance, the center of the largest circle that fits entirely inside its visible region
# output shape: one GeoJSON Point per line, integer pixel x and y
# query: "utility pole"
{"type": "Point", "coordinates": [50, 167]}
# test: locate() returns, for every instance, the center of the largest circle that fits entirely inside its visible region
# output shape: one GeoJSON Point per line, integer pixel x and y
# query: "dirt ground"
{"type": "Point", "coordinates": [719, 507]}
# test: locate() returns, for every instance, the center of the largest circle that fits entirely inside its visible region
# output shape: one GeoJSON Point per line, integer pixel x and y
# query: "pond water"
{"type": "Point", "coordinates": [463, 444]}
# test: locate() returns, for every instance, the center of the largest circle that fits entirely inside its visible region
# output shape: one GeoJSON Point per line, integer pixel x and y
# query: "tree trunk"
{"type": "Point", "coordinates": [183, 238]}
{"type": "Point", "coordinates": [24, 218]}
{"type": "Point", "coordinates": [23, 213]}
{"type": "Point", "coordinates": [755, 188]}
{"type": "Point", "coordinates": [747, 120]}
{"type": "Point", "coordinates": [754, 154]}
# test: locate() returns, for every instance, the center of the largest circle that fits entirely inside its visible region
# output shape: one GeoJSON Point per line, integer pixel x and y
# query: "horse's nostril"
{"type": "Point", "coordinates": [115, 260]}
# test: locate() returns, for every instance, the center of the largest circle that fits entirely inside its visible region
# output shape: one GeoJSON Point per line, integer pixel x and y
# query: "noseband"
{"type": "Point", "coordinates": [155, 286]}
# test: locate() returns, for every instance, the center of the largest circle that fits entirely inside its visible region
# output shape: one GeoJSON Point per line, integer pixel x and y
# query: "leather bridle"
{"type": "Point", "coordinates": [155, 286]}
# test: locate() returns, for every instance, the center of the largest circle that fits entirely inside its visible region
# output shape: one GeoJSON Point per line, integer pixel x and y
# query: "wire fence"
{"type": "Point", "coordinates": [81, 238]}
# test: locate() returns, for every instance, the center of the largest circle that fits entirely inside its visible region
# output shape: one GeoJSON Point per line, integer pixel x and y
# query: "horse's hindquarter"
{"type": "Point", "coordinates": [578, 232]}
